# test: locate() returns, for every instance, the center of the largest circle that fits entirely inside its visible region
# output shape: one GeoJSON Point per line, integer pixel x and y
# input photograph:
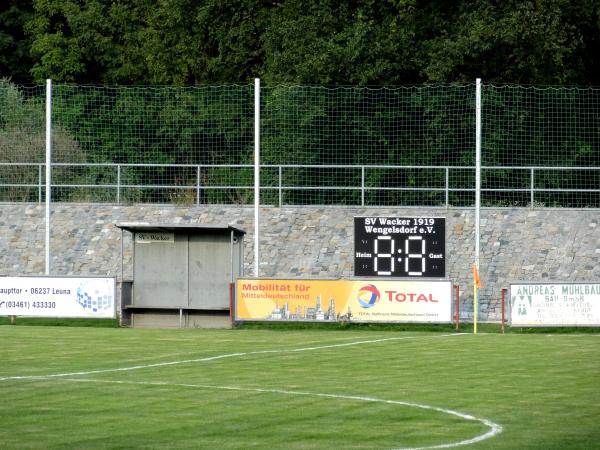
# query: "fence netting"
{"type": "Point", "coordinates": [155, 145]}
{"type": "Point", "coordinates": [365, 146]}
{"type": "Point", "coordinates": [349, 146]}
{"type": "Point", "coordinates": [22, 142]}
{"type": "Point", "coordinates": [540, 146]}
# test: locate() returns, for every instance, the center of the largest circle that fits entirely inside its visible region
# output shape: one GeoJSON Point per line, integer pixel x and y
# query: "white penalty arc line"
{"type": "Point", "coordinates": [217, 357]}
{"type": "Point", "coordinates": [494, 428]}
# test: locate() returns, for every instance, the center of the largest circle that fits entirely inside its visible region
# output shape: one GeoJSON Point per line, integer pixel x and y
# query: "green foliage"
{"type": "Point", "coordinates": [385, 127]}
{"type": "Point", "coordinates": [393, 42]}
{"type": "Point", "coordinates": [329, 134]}
{"type": "Point", "coordinates": [23, 142]}
{"type": "Point", "coordinates": [216, 41]}
{"type": "Point", "coordinates": [183, 42]}
{"type": "Point", "coordinates": [328, 42]}
{"type": "Point", "coordinates": [91, 41]}
{"type": "Point", "coordinates": [15, 61]}
{"type": "Point", "coordinates": [515, 41]}
{"type": "Point", "coordinates": [161, 126]}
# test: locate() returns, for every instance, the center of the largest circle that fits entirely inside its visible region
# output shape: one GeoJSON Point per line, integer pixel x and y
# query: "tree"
{"type": "Point", "coordinates": [360, 42]}
{"type": "Point", "coordinates": [174, 42]}
{"type": "Point", "coordinates": [88, 42]}
{"type": "Point", "coordinates": [15, 61]}
{"type": "Point", "coordinates": [214, 41]}
{"type": "Point", "coordinates": [528, 42]}
{"type": "Point", "coordinates": [329, 42]}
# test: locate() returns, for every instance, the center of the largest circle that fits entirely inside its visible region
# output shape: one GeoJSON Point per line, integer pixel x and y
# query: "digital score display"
{"type": "Point", "coordinates": [400, 247]}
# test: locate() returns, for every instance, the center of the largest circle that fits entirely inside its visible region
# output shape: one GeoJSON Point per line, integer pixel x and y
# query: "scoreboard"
{"type": "Point", "coordinates": [400, 247]}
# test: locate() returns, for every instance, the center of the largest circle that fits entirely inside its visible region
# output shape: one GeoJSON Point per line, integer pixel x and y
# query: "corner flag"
{"type": "Point", "coordinates": [476, 279]}
{"type": "Point", "coordinates": [476, 285]}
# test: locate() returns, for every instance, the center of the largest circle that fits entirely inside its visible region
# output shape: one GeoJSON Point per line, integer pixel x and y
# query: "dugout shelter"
{"type": "Point", "coordinates": [182, 275]}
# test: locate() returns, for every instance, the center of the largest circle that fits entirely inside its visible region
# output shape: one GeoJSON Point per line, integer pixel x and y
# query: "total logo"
{"type": "Point", "coordinates": [368, 296]}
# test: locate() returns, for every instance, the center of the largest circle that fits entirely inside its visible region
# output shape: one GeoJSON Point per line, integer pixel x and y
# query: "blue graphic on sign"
{"type": "Point", "coordinates": [93, 300]}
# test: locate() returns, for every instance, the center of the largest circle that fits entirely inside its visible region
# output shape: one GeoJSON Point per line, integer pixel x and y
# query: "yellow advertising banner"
{"type": "Point", "coordinates": [343, 300]}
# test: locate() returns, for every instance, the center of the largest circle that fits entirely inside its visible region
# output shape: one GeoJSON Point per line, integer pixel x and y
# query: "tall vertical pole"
{"type": "Point", "coordinates": [256, 173]}
{"type": "Point", "coordinates": [477, 191]}
{"type": "Point", "coordinates": [48, 168]}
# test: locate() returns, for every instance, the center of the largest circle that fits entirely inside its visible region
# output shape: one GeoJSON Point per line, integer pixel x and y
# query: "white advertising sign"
{"type": "Point", "coordinates": [555, 304]}
{"type": "Point", "coordinates": [58, 297]}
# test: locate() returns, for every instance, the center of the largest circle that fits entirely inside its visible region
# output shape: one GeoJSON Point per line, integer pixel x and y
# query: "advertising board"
{"type": "Point", "coordinates": [69, 297]}
{"type": "Point", "coordinates": [546, 304]}
{"type": "Point", "coordinates": [343, 300]}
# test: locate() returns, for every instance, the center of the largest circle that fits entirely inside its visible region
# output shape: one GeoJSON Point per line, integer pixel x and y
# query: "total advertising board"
{"type": "Point", "coordinates": [547, 304]}
{"type": "Point", "coordinates": [68, 297]}
{"type": "Point", "coordinates": [343, 300]}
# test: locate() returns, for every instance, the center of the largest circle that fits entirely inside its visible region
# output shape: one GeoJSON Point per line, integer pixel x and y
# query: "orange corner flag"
{"type": "Point", "coordinates": [476, 278]}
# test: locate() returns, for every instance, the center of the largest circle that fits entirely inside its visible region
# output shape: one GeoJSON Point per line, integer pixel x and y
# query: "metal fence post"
{"type": "Point", "coordinates": [118, 184]}
{"type": "Point", "coordinates": [532, 185]}
{"type": "Point", "coordinates": [447, 186]}
{"type": "Point", "coordinates": [280, 182]}
{"type": "Point", "coordinates": [48, 168]}
{"type": "Point", "coordinates": [256, 172]}
{"type": "Point", "coordinates": [362, 186]}
{"type": "Point", "coordinates": [197, 185]}
{"type": "Point", "coordinates": [39, 183]}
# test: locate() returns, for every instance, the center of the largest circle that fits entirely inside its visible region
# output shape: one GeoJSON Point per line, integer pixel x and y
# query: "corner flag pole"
{"type": "Point", "coordinates": [476, 281]}
{"type": "Point", "coordinates": [476, 285]}
{"type": "Point", "coordinates": [474, 308]}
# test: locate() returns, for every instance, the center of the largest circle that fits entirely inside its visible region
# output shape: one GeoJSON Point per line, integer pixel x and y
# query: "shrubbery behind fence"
{"type": "Point", "coordinates": [349, 146]}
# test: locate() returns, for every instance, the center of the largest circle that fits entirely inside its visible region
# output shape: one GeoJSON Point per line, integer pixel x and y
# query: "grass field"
{"type": "Point", "coordinates": [88, 388]}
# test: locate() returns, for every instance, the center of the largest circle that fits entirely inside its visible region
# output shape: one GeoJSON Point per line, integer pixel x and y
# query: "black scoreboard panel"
{"type": "Point", "coordinates": [400, 247]}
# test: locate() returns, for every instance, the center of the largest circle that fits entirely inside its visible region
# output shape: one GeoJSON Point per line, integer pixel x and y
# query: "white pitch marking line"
{"type": "Point", "coordinates": [217, 357]}
{"type": "Point", "coordinates": [494, 428]}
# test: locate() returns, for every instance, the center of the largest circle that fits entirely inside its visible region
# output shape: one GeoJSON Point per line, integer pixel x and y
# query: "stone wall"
{"type": "Point", "coordinates": [515, 245]}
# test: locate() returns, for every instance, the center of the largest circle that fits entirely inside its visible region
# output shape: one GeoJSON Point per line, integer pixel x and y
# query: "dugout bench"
{"type": "Point", "coordinates": [182, 275]}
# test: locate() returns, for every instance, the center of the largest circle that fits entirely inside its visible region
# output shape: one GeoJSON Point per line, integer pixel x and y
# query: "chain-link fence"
{"type": "Point", "coordinates": [351, 146]}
